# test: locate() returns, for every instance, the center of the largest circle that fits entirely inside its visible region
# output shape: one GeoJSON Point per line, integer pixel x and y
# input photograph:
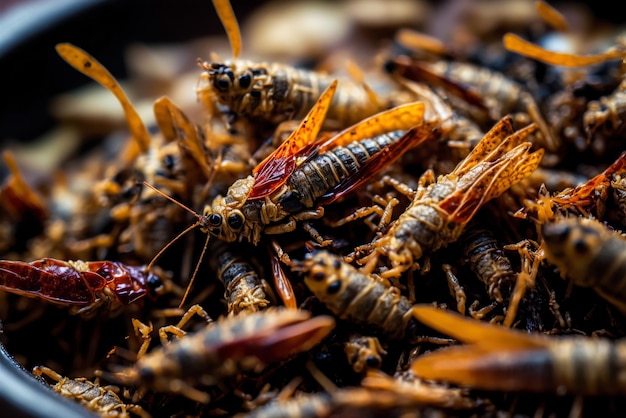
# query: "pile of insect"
{"type": "Point", "coordinates": [372, 208]}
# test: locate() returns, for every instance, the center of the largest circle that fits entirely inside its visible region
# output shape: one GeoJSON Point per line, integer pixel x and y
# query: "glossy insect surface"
{"type": "Point", "coordinates": [101, 400]}
{"type": "Point", "coordinates": [224, 348]}
{"type": "Point", "coordinates": [499, 358]}
{"type": "Point", "coordinates": [85, 286]}
{"type": "Point", "coordinates": [304, 173]}
{"type": "Point", "coordinates": [590, 254]}
{"type": "Point", "coordinates": [439, 212]}
{"type": "Point", "coordinates": [356, 296]}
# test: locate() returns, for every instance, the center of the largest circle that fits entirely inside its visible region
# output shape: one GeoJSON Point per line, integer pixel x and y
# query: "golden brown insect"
{"type": "Point", "coordinates": [224, 348]}
{"type": "Point", "coordinates": [304, 173]}
{"type": "Point", "coordinates": [364, 352]}
{"type": "Point", "coordinates": [244, 290]}
{"type": "Point", "coordinates": [271, 93]}
{"type": "Point", "coordinates": [439, 212]}
{"type": "Point", "coordinates": [590, 254]}
{"type": "Point", "coordinates": [102, 400]}
{"type": "Point", "coordinates": [355, 296]}
{"type": "Point", "coordinates": [499, 358]}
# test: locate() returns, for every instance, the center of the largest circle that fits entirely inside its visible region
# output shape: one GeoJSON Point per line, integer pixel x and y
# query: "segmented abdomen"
{"type": "Point", "coordinates": [355, 296]}
{"type": "Point", "coordinates": [317, 176]}
{"type": "Point", "coordinates": [244, 289]}
{"type": "Point", "coordinates": [592, 366]}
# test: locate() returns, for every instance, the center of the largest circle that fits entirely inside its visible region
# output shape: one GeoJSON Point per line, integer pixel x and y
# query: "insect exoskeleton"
{"type": "Point", "coordinates": [590, 254]}
{"type": "Point", "coordinates": [304, 172]}
{"type": "Point", "coordinates": [607, 115]}
{"type": "Point", "coordinates": [364, 352]}
{"type": "Point", "coordinates": [502, 359]}
{"type": "Point", "coordinates": [102, 400]}
{"type": "Point", "coordinates": [487, 260]}
{"type": "Point", "coordinates": [271, 93]}
{"type": "Point", "coordinates": [355, 296]}
{"type": "Point", "coordinates": [236, 343]}
{"type": "Point", "coordinates": [439, 212]}
{"type": "Point", "coordinates": [485, 94]}
{"type": "Point", "coordinates": [85, 286]}
{"type": "Point", "coordinates": [244, 290]}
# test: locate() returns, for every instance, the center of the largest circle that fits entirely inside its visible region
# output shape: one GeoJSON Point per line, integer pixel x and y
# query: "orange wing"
{"type": "Point", "coordinates": [274, 170]}
{"type": "Point", "coordinates": [581, 195]}
{"type": "Point", "coordinates": [497, 358]}
{"type": "Point", "coordinates": [487, 144]}
{"type": "Point", "coordinates": [491, 177]}
{"type": "Point", "coordinates": [89, 66]}
{"type": "Point", "coordinates": [401, 117]}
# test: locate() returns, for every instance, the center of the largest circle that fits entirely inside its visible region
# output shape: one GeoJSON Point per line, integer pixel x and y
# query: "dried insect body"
{"type": "Point", "coordinates": [271, 93]}
{"type": "Point", "coordinates": [304, 173]}
{"type": "Point", "coordinates": [606, 117]}
{"type": "Point", "coordinates": [486, 95]}
{"type": "Point", "coordinates": [239, 343]}
{"type": "Point", "coordinates": [618, 184]}
{"type": "Point", "coordinates": [424, 393]}
{"type": "Point", "coordinates": [102, 400]}
{"type": "Point", "coordinates": [355, 296]}
{"type": "Point", "coordinates": [485, 257]}
{"type": "Point", "coordinates": [439, 212]}
{"type": "Point", "coordinates": [502, 359]}
{"type": "Point", "coordinates": [208, 153]}
{"type": "Point", "coordinates": [364, 352]}
{"type": "Point", "coordinates": [244, 290]}
{"type": "Point", "coordinates": [593, 193]}
{"type": "Point", "coordinates": [347, 402]}
{"type": "Point", "coordinates": [590, 254]}
{"type": "Point", "coordinates": [85, 286]}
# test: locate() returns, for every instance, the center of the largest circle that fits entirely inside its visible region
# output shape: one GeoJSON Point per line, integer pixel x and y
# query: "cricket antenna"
{"type": "Point", "coordinates": [169, 244]}
{"type": "Point", "coordinates": [196, 224]}
{"type": "Point", "coordinates": [195, 272]}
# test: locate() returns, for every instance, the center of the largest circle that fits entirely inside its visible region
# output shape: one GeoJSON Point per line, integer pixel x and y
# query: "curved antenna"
{"type": "Point", "coordinates": [200, 221]}
{"type": "Point", "coordinates": [189, 228]}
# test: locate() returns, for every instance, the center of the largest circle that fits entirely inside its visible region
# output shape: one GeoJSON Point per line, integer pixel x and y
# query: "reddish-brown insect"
{"type": "Point", "coordinates": [234, 344]}
{"type": "Point", "coordinates": [596, 188]}
{"type": "Point", "coordinates": [83, 285]}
